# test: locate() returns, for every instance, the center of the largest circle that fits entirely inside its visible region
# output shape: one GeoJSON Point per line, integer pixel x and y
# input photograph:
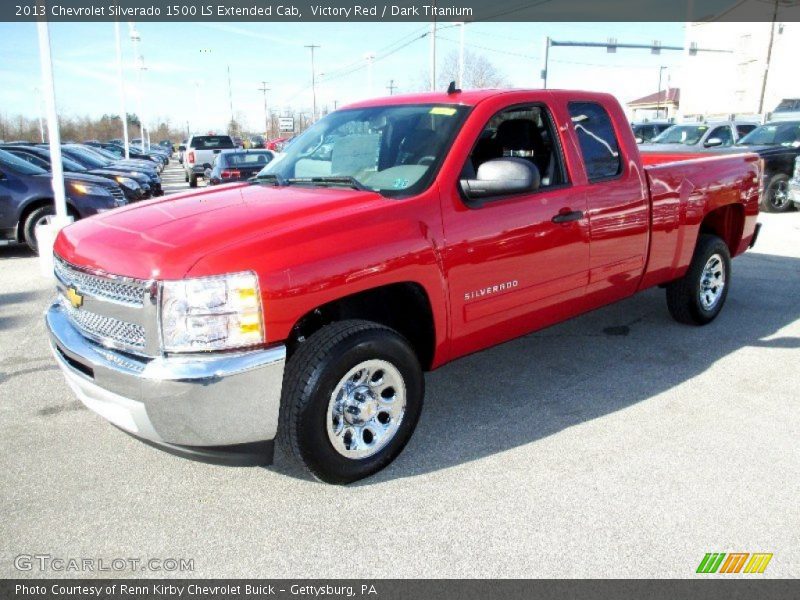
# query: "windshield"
{"type": "Point", "coordinates": [688, 135]}
{"type": "Point", "coordinates": [18, 165]}
{"type": "Point", "coordinates": [211, 142]}
{"type": "Point", "coordinates": [394, 150]}
{"type": "Point", "coordinates": [246, 159]}
{"type": "Point", "coordinates": [88, 159]}
{"type": "Point", "coordinates": [773, 134]}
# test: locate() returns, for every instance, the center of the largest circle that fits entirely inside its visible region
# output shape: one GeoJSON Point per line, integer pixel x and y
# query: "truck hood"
{"type": "Point", "coordinates": [164, 238]}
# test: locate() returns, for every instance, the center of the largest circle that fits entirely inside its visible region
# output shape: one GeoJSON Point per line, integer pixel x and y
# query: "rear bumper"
{"type": "Point", "coordinates": [193, 405]}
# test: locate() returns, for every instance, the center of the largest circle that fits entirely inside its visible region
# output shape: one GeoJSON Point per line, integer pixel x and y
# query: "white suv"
{"type": "Point", "coordinates": [200, 153]}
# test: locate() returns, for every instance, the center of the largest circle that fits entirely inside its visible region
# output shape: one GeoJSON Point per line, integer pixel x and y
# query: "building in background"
{"type": "Point", "coordinates": [661, 105]}
{"type": "Point", "coordinates": [758, 72]}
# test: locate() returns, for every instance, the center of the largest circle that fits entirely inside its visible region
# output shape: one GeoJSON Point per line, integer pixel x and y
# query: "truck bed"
{"type": "Point", "coordinates": [683, 192]}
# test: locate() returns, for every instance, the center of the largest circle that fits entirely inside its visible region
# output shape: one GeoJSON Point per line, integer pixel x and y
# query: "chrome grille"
{"type": "Point", "coordinates": [116, 289]}
{"type": "Point", "coordinates": [117, 194]}
{"type": "Point", "coordinates": [107, 328]}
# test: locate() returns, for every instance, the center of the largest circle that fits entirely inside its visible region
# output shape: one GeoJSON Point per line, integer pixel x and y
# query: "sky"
{"type": "Point", "coordinates": [186, 77]}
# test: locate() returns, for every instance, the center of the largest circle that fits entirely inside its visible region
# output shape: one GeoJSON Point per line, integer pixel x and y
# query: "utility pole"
{"type": "Point", "coordinates": [658, 96]}
{"type": "Point", "coordinates": [391, 87]}
{"type": "Point", "coordinates": [769, 58]}
{"type": "Point", "coordinates": [123, 114]}
{"type": "Point", "coordinates": [264, 89]}
{"type": "Point", "coordinates": [433, 53]}
{"type": "Point", "coordinates": [370, 58]}
{"type": "Point", "coordinates": [230, 95]}
{"type": "Point", "coordinates": [313, 47]}
{"type": "Point", "coordinates": [135, 39]}
{"type": "Point", "coordinates": [461, 57]}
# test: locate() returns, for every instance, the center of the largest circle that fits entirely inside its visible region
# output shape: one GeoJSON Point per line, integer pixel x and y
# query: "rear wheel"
{"type": "Point", "coordinates": [37, 217]}
{"type": "Point", "coordinates": [698, 297]}
{"type": "Point", "coordinates": [186, 177]}
{"type": "Point", "coordinates": [193, 181]}
{"type": "Point", "coordinates": [776, 194]}
{"type": "Point", "coordinates": [352, 396]}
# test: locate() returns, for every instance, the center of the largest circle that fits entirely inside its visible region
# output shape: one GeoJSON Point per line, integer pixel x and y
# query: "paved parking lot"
{"type": "Point", "coordinates": [619, 444]}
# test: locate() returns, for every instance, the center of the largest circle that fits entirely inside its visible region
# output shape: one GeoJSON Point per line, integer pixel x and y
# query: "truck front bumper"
{"type": "Point", "coordinates": [196, 405]}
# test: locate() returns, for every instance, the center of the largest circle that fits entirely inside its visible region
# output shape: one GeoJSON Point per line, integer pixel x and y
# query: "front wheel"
{"type": "Point", "coordinates": [776, 194]}
{"type": "Point", "coordinates": [36, 218]}
{"type": "Point", "coordinates": [698, 296]}
{"type": "Point", "coordinates": [352, 396]}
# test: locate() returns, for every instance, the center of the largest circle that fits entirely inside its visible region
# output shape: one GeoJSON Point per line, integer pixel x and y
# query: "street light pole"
{"type": "Point", "coordinates": [139, 66]}
{"type": "Point", "coordinates": [461, 57]}
{"type": "Point", "coordinates": [121, 83]}
{"type": "Point", "coordinates": [546, 61]}
{"type": "Point", "coordinates": [433, 54]}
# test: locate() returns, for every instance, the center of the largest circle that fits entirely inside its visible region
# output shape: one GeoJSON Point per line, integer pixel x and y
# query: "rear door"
{"type": "Point", "coordinates": [617, 200]}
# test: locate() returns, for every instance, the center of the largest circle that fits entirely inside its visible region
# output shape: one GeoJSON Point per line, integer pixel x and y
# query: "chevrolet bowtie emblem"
{"type": "Point", "coordinates": [74, 297]}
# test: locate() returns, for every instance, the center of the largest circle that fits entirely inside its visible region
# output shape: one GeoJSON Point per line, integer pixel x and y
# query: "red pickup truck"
{"type": "Point", "coordinates": [393, 236]}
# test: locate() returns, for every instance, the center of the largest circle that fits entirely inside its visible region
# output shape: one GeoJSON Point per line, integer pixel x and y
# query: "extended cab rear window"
{"type": "Point", "coordinates": [211, 142]}
{"type": "Point", "coordinates": [599, 145]}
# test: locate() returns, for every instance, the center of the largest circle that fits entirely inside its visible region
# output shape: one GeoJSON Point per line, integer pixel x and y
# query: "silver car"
{"type": "Point", "coordinates": [698, 137]}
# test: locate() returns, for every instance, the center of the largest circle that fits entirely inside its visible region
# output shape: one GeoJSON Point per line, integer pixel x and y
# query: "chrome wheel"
{"type": "Point", "coordinates": [366, 409]}
{"type": "Point", "coordinates": [779, 195]}
{"type": "Point", "coordinates": [712, 282]}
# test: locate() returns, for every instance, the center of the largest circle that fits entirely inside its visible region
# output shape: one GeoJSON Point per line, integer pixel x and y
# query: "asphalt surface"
{"type": "Point", "coordinates": [619, 444]}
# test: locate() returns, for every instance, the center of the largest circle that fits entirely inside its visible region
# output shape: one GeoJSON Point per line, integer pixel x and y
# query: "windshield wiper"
{"type": "Point", "coordinates": [277, 179]}
{"type": "Point", "coordinates": [332, 180]}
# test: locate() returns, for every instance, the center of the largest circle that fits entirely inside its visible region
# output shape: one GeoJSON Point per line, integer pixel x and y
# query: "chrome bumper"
{"type": "Point", "coordinates": [192, 400]}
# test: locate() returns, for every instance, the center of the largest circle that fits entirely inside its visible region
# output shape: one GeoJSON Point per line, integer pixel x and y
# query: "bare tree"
{"type": "Point", "coordinates": [479, 72]}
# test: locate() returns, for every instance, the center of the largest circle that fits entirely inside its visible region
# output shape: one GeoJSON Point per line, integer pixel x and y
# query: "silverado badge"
{"type": "Point", "coordinates": [74, 297]}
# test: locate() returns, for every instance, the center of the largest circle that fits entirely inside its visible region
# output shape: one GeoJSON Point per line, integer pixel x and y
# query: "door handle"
{"type": "Point", "coordinates": [567, 216]}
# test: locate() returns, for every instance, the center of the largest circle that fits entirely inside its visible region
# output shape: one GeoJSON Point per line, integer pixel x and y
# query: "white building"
{"type": "Point", "coordinates": [738, 82]}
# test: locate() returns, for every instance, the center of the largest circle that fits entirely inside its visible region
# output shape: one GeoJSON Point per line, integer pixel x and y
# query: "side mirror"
{"type": "Point", "coordinates": [501, 176]}
{"type": "Point", "coordinates": [710, 143]}
{"type": "Point", "coordinates": [182, 148]}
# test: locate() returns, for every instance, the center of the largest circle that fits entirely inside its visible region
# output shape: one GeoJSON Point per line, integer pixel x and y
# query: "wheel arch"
{"type": "Point", "coordinates": [403, 306]}
{"type": "Point", "coordinates": [31, 205]}
{"type": "Point", "coordinates": [727, 223]}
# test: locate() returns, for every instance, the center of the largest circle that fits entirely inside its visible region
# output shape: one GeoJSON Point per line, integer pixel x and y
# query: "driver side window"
{"type": "Point", "coordinates": [723, 133]}
{"type": "Point", "coordinates": [524, 132]}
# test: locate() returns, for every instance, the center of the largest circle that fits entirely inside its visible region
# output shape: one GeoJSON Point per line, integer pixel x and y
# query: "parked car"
{"type": "Point", "coordinates": [102, 165]}
{"type": "Point", "coordinates": [238, 142]}
{"type": "Point", "coordinates": [698, 137]}
{"type": "Point", "coordinates": [116, 154]}
{"type": "Point", "coordinates": [787, 110]}
{"type": "Point", "coordinates": [237, 165]}
{"type": "Point", "coordinates": [182, 150]}
{"type": "Point", "coordinates": [257, 141]}
{"type": "Point", "coordinates": [646, 131]}
{"type": "Point", "coordinates": [200, 153]}
{"type": "Point", "coordinates": [40, 157]}
{"type": "Point", "coordinates": [26, 198]}
{"type": "Point", "coordinates": [312, 301]}
{"type": "Point", "coordinates": [778, 144]}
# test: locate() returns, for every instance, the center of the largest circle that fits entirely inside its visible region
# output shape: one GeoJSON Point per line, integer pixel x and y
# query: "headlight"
{"type": "Point", "coordinates": [211, 313]}
{"type": "Point", "coordinates": [89, 189]}
{"type": "Point", "coordinates": [127, 182]}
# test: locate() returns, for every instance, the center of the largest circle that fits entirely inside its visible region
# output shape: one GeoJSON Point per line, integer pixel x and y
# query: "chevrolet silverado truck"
{"type": "Point", "coordinates": [201, 150]}
{"type": "Point", "coordinates": [393, 236]}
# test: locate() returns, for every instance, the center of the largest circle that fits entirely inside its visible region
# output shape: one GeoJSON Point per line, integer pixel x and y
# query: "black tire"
{"type": "Point", "coordinates": [29, 227]}
{"type": "Point", "coordinates": [684, 294]}
{"type": "Point", "coordinates": [776, 195]}
{"type": "Point", "coordinates": [193, 181]}
{"type": "Point", "coordinates": [314, 372]}
{"type": "Point", "coordinates": [186, 177]}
